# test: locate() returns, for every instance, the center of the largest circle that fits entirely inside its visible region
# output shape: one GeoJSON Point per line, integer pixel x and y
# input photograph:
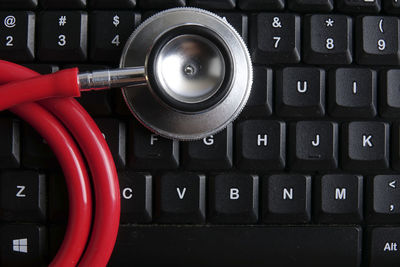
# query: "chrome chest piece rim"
{"type": "Point", "coordinates": [219, 82]}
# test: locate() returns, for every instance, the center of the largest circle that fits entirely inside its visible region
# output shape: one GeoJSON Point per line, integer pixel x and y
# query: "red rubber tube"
{"type": "Point", "coordinates": [99, 158]}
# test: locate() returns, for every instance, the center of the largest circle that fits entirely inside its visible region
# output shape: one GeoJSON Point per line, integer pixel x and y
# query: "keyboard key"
{"type": "Point", "coordinates": [275, 38]}
{"type": "Point", "coordinates": [328, 39]}
{"type": "Point", "coordinates": [23, 245]}
{"type": "Point", "coordinates": [286, 199]}
{"type": "Point", "coordinates": [353, 93]}
{"type": "Point", "coordinates": [10, 151]}
{"type": "Point", "coordinates": [377, 40]}
{"type": "Point", "coordinates": [311, 5]}
{"type": "Point", "coordinates": [365, 146]}
{"type": "Point", "coordinates": [114, 131]}
{"type": "Point", "coordinates": [261, 145]}
{"type": "Point", "coordinates": [42, 68]}
{"type": "Point", "coordinates": [359, 6]}
{"type": "Point", "coordinates": [256, 246]}
{"type": "Point", "coordinates": [58, 196]}
{"type": "Point", "coordinates": [109, 31]}
{"type": "Point", "coordinates": [211, 4]}
{"type": "Point", "coordinates": [238, 21]}
{"type": "Point", "coordinates": [392, 6]}
{"type": "Point", "coordinates": [233, 198]}
{"type": "Point", "coordinates": [261, 4]}
{"type": "Point", "coordinates": [36, 153]}
{"type": "Point", "coordinates": [384, 246]}
{"type": "Point", "coordinates": [181, 198]}
{"type": "Point", "coordinates": [150, 151]}
{"type": "Point", "coordinates": [313, 145]}
{"type": "Point", "coordinates": [107, 4]}
{"type": "Point", "coordinates": [261, 99]}
{"type": "Point", "coordinates": [17, 36]}
{"type": "Point", "coordinates": [300, 92]}
{"type": "Point", "coordinates": [23, 196]}
{"type": "Point", "coordinates": [161, 4]}
{"type": "Point", "coordinates": [62, 36]}
{"type": "Point", "coordinates": [384, 205]}
{"type": "Point", "coordinates": [211, 153]}
{"type": "Point", "coordinates": [390, 95]}
{"type": "Point", "coordinates": [136, 197]}
{"type": "Point", "coordinates": [18, 4]}
{"type": "Point", "coordinates": [395, 146]}
{"type": "Point", "coordinates": [70, 4]}
{"type": "Point", "coordinates": [338, 198]}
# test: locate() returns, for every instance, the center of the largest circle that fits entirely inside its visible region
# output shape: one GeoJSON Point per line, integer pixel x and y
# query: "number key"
{"type": "Point", "coordinates": [62, 36]}
{"type": "Point", "coordinates": [378, 40]}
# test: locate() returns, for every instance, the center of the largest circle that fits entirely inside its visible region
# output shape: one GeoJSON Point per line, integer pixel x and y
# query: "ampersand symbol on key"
{"type": "Point", "coordinates": [276, 23]}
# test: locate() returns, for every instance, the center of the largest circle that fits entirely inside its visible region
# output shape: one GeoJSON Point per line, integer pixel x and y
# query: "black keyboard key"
{"type": "Point", "coordinates": [377, 40]}
{"type": "Point", "coordinates": [36, 153]}
{"type": "Point", "coordinates": [213, 4]}
{"type": "Point", "coordinates": [23, 245]}
{"type": "Point", "coordinates": [17, 36]}
{"type": "Point", "coordinates": [365, 146]}
{"type": "Point", "coordinates": [62, 36]}
{"type": "Point", "coordinates": [261, 4]}
{"type": "Point", "coordinates": [70, 4]}
{"type": "Point", "coordinates": [10, 143]}
{"type": "Point", "coordinates": [311, 5]}
{"type": "Point", "coordinates": [286, 199]}
{"type": "Point", "coordinates": [107, 4]}
{"type": "Point", "coordinates": [300, 92]}
{"type": "Point", "coordinates": [109, 31]}
{"type": "Point", "coordinates": [23, 196]}
{"type": "Point", "coordinates": [390, 94]}
{"type": "Point", "coordinates": [314, 145]}
{"type": "Point", "coordinates": [114, 131]}
{"type": "Point", "coordinates": [328, 39]}
{"type": "Point", "coordinates": [42, 68]}
{"type": "Point", "coordinates": [233, 198]}
{"type": "Point", "coordinates": [238, 21]}
{"type": "Point", "coordinates": [384, 205]}
{"type": "Point", "coordinates": [151, 151]}
{"type": "Point", "coordinates": [211, 153]}
{"type": "Point", "coordinates": [261, 145]}
{"type": "Point", "coordinates": [392, 6]}
{"type": "Point", "coordinates": [275, 38]}
{"type": "Point", "coordinates": [256, 246]}
{"type": "Point", "coordinates": [181, 198]}
{"type": "Point", "coordinates": [353, 93]}
{"type": "Point", "coordinates": [359, 6]}
{"type": "Point", "coordinates": [58, 199]}
{"type": "Point", "coordinates": [18, 4]}
{"type": "Point", "coordinates": [261, 100]}
{"type": "Point", "coordinates": [136, 197]}
{"type": "Point", "coordinates": [338, 198]}
{"type": "Point", "coordinates": [384, 246]}
{"type": "Point", "coordinates": [162, 4]}
{"type": "Point", "coordinates": [395, 146]}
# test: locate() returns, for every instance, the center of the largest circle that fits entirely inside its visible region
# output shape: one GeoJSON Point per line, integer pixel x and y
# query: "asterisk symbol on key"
{"type": "Point", "coordinates": [329, 22]}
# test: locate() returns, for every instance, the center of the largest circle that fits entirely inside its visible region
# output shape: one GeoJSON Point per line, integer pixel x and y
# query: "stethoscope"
{"type": "Point", "coordinates": [185, 74]}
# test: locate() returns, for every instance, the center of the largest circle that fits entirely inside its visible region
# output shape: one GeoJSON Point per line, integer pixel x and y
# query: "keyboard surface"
{"type": "Point", "coordinates": [308, 175]}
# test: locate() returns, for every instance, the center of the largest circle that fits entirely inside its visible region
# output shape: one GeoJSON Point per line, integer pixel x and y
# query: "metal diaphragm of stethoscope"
{"type": "Point", "coordinates": [185, 72]}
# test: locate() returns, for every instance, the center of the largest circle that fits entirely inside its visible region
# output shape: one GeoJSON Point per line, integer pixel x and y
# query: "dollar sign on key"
{"type": "Point", "coordinates": [116, 20]}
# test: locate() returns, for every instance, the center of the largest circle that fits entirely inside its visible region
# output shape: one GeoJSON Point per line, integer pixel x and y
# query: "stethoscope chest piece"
{"type": "Point", "coordinates": [198, 73]}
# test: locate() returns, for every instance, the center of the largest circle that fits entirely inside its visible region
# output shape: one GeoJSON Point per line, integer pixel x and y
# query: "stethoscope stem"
{"type": "Point", "coordinates": [111, 78]}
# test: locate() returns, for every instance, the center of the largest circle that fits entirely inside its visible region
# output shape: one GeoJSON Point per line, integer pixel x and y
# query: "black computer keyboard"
{"type": "Point", "coordinates": [308, 175]}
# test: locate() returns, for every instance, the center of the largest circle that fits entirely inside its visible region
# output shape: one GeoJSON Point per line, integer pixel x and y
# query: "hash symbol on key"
{"type": "Point", "coordinates": [62, 20]}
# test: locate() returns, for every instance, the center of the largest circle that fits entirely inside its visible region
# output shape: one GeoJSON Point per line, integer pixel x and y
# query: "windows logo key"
{"type": "Point", "coordinates": [20, 245]}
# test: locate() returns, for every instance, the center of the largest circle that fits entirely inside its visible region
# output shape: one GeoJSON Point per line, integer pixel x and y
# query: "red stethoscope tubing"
{"type": "Point", "coordinates": [21, 85]}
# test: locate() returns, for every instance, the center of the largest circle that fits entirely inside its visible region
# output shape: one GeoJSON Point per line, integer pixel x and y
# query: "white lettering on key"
{"type": "Point", "coordinates": [234, 194]}
{"type": "Point", "coordinates": [340, 193]}
{"type": "Point", "coordinates": [21, 189]}
{"type": "Point", "coordinates": [367, 141]}
{"type": "Point", "coordinates": [315, 142]}
{"type": "Point", "coordinates": [208, 141]}
{"type": "Point", "coordinates": [287, 194]}
{"type": "Point", "coordinates": [153, 138]}
{"type": "Point", "coordinates": [354, 88]}
{"type": "Point", "coordinates": [302, 89]}
{"type": "Point", "coordinates": [127, 193]}
{"type": "Point", "coordinates": [181, 194]}
{"type": "Point", "coordinates": [390, 246]}
{"type": "Point", "coordinates": [263, 140]}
